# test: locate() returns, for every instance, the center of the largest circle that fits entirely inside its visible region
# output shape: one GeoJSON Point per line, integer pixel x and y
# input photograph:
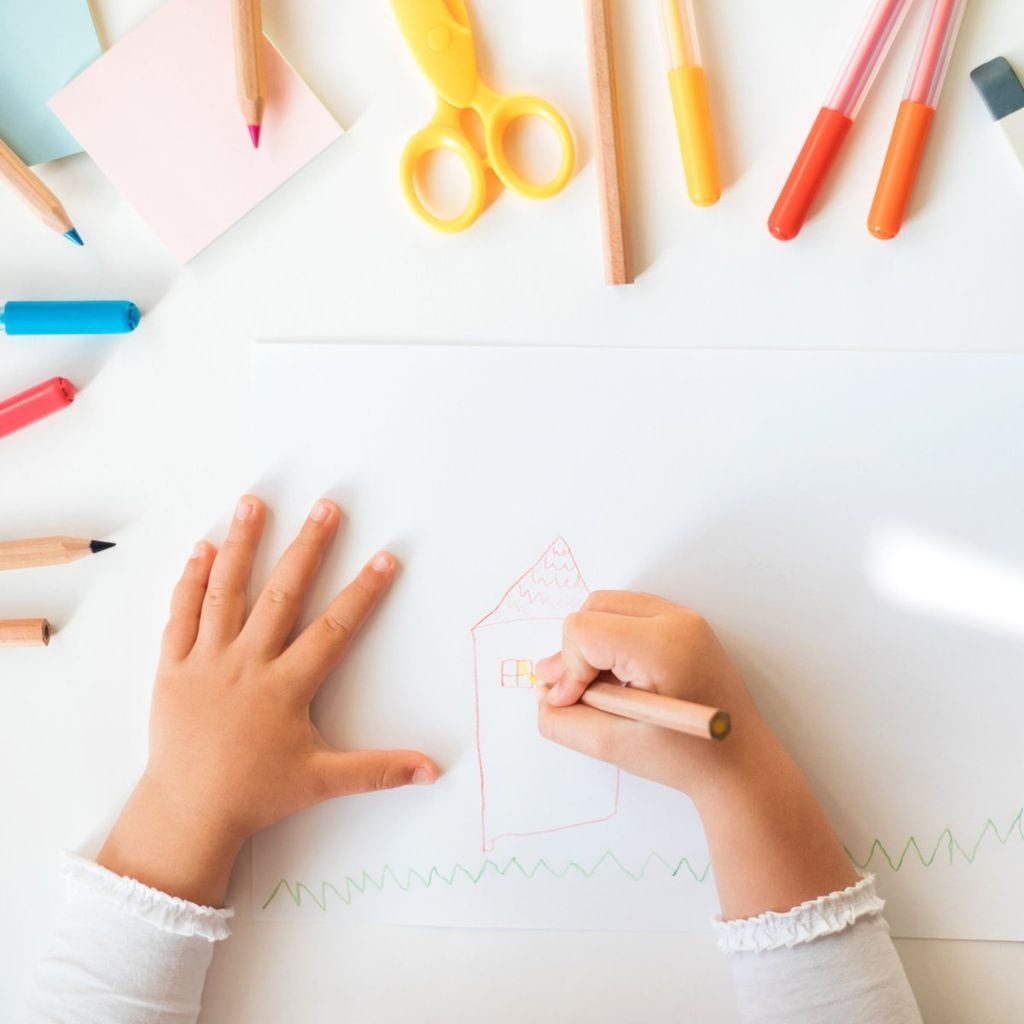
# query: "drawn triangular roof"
{"type": "Point", "coordinates": [551, 588]}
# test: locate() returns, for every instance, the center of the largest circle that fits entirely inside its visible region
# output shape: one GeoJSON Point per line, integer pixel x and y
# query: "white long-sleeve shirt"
{"type": "Point", "coordinates": [129, 954]}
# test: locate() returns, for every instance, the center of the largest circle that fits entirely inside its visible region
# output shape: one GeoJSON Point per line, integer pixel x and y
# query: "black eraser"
{"type": "Point", "coordinates": [999, 86]}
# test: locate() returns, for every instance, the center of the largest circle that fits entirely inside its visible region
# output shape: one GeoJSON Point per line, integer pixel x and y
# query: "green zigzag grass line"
{"type": "Point", "coordinates": [352, 887]}
{"type": "Point", "coordinates": [947, 841]}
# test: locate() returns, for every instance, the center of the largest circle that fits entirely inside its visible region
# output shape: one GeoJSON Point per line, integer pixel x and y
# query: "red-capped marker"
{"type": "Point", "coordinates": [836, 118]}
{"type": "Point", "coordinates": [29, 406]}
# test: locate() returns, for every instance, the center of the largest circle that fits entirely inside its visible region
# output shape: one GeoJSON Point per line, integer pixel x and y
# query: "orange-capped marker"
{"type": "Point", "coordinates": [836, 118]}
{"type": "Point", "coordinates": [914, 120]}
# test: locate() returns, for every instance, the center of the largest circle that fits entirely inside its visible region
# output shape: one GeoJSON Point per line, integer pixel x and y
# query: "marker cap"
{"type": "Point", "coordinates": [70, 317]}
{"type": "Point", "coordinates": [906, 149]}
{"type": "Point", "coordinates": [826, 138]}
{"type": "Point", "coordinates": [22, 409]}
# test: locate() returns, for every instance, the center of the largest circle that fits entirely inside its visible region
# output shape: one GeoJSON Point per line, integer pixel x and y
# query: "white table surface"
{"type": "Point", "coordinates": [155, 449]}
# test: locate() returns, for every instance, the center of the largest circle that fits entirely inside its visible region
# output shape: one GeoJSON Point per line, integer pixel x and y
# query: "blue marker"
{"type": "Point", "coordinates": [69, 317]}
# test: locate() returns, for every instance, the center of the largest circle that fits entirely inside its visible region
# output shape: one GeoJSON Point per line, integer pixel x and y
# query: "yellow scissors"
{"type": "Point", "coordinates": [440, 36]}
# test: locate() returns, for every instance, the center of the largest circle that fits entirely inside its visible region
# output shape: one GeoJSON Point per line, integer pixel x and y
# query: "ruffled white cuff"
{"type": "Point", "coordinates": [168, 913]}
{"type": "Point", "coordinates": [811, 920]}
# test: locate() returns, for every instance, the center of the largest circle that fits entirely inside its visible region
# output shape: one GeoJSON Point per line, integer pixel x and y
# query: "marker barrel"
{"type": "Point", "coordinates": [869, 52]}
{"type": "Point", "coordinates": [34, 404]}
{"type": "Point", "coordinates": [935, 52]}
{"type": "Point", "coordinates": [70, 317]}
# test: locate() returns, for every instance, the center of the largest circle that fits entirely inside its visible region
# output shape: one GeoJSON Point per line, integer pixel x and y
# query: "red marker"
{"type": "Point", "coordinates": [42, 400]}
{"type": "Point", "coordinates": [836, 119]}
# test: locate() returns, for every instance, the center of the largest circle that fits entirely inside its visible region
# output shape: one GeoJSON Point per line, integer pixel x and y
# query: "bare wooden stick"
{"type": "Point", "coordinates": [24, 633]}
{"type": "Point", "coordinates": [608, 151]}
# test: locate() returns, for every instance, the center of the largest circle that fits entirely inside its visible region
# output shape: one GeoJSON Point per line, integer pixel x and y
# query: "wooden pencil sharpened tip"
{"type": "Point", "coordinates": [96, 546]}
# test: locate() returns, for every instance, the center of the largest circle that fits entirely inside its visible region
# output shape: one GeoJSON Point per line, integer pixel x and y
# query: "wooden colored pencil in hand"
{"type": "Point", "coordinates": [657, 709]}
{"type": "Point", "coordinates": [27, 554]}
{"type": "Point", "coordinates": [248, 22]}
{"type": "Point", "coordinates": [28, 185]}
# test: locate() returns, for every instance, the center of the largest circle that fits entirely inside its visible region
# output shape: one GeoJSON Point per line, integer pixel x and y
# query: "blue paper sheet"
{"type": "Point", "coordinates": [46, 44]}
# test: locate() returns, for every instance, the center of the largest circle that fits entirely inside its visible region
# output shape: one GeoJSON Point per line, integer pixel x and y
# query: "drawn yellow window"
{"type": "Point", "coordinates": [517, 673]}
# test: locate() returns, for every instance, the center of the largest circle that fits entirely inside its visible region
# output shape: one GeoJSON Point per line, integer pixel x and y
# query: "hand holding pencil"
{"type": "Point", "coordinates": [679, 678]}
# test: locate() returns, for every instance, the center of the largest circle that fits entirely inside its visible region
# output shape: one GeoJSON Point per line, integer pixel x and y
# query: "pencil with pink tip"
{"type": "Point", "coordinates": [248, 23]}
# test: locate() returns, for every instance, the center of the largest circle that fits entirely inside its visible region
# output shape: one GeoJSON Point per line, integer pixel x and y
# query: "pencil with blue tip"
{"type": "Point", "coordinates": [29, 186]}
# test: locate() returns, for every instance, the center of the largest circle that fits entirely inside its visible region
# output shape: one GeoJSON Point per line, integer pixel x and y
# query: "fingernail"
{"type": "Point", "coordinates": [423, 776]}
{"type": "Point", "coordinates": [199, 550]}
{"type": "Point", "coordinates": [321, 510]}
{"type": "Point", "coordinates": [384, 562]}
{"type": "Point", "coordinates": [546, 670]}
{"type": "Point", "coordinates": [244, 509]}
{"type": "Point", "coordinates": [558, 692]}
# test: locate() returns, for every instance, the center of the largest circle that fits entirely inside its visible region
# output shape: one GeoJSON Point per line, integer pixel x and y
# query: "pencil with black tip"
{"type": "Point", "coordinates": [28, 554]}
{"type": "Point", "coordinates": [248, 22]}
{"type": "Point", "coordinates": [46, 205]}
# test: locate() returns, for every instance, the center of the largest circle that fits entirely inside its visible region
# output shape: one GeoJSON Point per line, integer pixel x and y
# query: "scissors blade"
{"type": "Point", "coordinates": [441, 39]}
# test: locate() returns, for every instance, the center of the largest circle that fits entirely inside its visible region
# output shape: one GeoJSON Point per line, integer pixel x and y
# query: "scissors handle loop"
{"type": "Point", "coordinates": [497, 121]}
{"type": "Point", "coordinates": [429, 140]}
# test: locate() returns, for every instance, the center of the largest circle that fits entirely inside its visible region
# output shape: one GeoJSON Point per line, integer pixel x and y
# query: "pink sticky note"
{"type": "Point", "coordinates": [159, 115]}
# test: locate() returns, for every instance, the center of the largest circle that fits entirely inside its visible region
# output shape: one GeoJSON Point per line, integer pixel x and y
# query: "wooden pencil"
{"type": "Point", "coordinates": [608, 150]}
{"type": "Point", "coordinates": [247, 16]}
{"type": "Point", "coordinates": [24, 633]}
{"type": "Point", "coordinates": [656, 709]}
{"type": "Point", "coordinates": [27, 554]}
{"type": "Point", "coordinates": [28, 185]}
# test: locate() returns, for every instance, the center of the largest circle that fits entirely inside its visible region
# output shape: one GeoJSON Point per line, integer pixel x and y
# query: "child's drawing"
{"type": "Point", "coordinates": [529, 786]}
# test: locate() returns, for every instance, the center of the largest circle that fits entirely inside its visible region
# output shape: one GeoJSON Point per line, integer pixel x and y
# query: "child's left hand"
{"type": "Point", "coordinates": [232, 746]}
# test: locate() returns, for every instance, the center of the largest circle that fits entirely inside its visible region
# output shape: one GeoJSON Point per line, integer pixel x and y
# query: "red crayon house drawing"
{"type": "Point", "coordinates": [529, 786]}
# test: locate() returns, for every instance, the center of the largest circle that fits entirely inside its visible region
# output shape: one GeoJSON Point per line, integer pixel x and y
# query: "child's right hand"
{"type": "Point", "coordinates": [771, 845]}
{"type": "Point", "coordinates": [651, 644]}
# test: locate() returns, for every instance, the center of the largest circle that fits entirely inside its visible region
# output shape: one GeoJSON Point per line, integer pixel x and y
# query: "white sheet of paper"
{"type": "Point", "coordinates": [849, 523]}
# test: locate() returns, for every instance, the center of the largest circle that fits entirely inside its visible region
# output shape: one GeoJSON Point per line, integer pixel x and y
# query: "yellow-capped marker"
{"type": "Point", "coordinates": [690, 102]}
